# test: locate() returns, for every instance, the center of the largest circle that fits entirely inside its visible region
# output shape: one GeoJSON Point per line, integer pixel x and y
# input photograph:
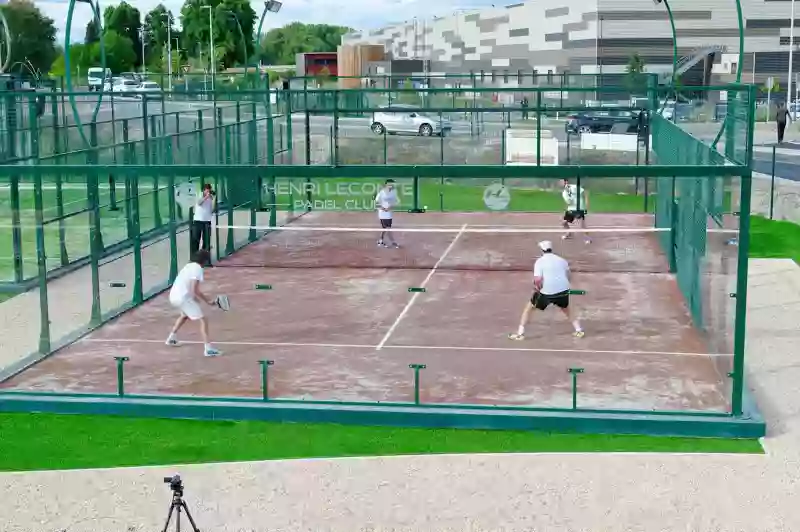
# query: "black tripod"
{"type": "Point", "coordinates": [178, 505]}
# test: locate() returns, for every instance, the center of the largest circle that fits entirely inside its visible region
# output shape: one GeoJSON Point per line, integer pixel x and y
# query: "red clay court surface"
{"type": "Point", "coordinates": [350, 334]}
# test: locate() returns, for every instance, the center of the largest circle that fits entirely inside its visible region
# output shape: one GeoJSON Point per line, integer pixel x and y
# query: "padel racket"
{"type": "Point", "coordinates": [224, 303]}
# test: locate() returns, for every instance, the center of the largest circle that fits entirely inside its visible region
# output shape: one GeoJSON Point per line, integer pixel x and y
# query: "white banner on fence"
{"type": "Point", "coordinates": [609, 142]}
{"type": "Point", "coordinates": [521, 147]}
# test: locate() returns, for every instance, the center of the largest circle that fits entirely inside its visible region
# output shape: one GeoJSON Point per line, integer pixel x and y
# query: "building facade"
{"type": "Point", "coordinates": [599, 37]}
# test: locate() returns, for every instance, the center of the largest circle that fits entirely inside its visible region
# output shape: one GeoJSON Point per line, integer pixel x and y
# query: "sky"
{"type": "Point", "coordinates": [358, 14]}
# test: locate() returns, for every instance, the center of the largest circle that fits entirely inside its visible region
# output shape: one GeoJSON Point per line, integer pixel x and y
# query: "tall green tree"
{"type": "Point", "coordinates": [281, 45]}
{"type": "Point", "coordinates": [635, 78]}
{"type": "Point", "coordinates": [92, 32]}
{"type": "Point", "coordinates": [228, 43]}
{"type": "Point", "coordinates": [156, 41]}
{"type": "Point", "coordinates": [33, 35]}
{"type": "Point", "coordinates": [126, 21]}
{"type": "Point", "coordinates": [80, 59]}
{"type": "Point", "coordinates": [120, 54]}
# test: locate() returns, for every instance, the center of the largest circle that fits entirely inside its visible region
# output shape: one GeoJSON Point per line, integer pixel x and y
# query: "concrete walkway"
{"type": "Point", "coordinates": [590, 492]}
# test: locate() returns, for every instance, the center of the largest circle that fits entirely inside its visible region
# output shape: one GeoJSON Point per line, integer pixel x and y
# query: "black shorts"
{"type": "Point", "coordinates": [386, 224]}
{"type": "Point", "coordinates": [571, 216]}
{"type": "Point", "coordinates": [542, 301]}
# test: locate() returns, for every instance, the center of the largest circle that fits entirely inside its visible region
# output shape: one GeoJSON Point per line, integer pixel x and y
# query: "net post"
{"type": "Point", "coordinates": [574, 372]}
{"type": "Point", "coordinates": [265, 364]}
{"type": "Point", "coordinates": [121, 375]}
{"type": "Point", "coordinates": [95, 234]}
{"type": "Point", "coordinates": [416, 368]}
{"type": "Point", "coordinates": [41, 250]}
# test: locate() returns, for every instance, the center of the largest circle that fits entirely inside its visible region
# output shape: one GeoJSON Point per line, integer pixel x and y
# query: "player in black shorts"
{"type": "Point", "coordinates": [551, 287]}
{"type": "Point", "coordinates": [577, 201]}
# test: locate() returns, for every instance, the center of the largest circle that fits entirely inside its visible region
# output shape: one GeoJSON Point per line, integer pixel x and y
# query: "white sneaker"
{"type": "Point", "coordinates": [516, 336]}
{"type": "Point", "coordinates": [212, 352]}
{"type": "Point", "coordinates": [578, 334]}
{"type": "Point", "coordinates": [381, 244]}
{"type": "Point", "coordinates": [172, 341]}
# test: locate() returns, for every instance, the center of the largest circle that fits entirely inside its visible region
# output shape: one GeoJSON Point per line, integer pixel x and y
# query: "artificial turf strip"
{"type": "Point", "coordinates": [46, 442]}
{"type": "Point", "coordinates": [771, 239]}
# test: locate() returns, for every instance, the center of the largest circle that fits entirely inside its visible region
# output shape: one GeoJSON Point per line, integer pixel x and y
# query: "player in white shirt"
{"type": "Point", "coordinates": [577, 200]}
{"type": "Point", "coordinates": [201, 224]}
{"type": "Point", "coordinates": [551, 286]}
{"type": "Point", "coordinates": [385, 202]}
{"type": "Point", "coordinates": [186, 296]}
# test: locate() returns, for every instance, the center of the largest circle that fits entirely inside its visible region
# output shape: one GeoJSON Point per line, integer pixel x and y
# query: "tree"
{"type": "Point", "coordinates": [157, 33]}
{"type": "Point", "coordinates": [125, 20]}
{"type": "Point", "coordinates": [281, 45]}
{"type": "Point", "coordinates": [80, 59]}
{"type": "Point", "coordinates": [635, 79]}
{"type": "Point", "coordinates": [228, 43]}
{"type": "Point", "coordinates": [33, 35]}
{"type": "Point", "coordinates": [120, 54]}
{"type": "Point", "coordinates": [92, 32]}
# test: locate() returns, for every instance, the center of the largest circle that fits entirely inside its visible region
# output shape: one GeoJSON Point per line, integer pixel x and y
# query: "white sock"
{"type": "Point", "coordinates": [521, 330]}
{"type": "Point", "coordinates": [208, 347]}
{"type": "Point", "coordinates": [577, 325]}
{"type": "Point", "coordinates": [171, 336]}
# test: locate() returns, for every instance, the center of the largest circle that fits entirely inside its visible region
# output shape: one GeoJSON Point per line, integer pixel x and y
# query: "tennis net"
{"type": "Point", "coordinates": [479, 248]}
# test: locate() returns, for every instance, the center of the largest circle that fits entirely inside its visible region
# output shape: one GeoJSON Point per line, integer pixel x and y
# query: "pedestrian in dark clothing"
{"type": "Point", "coordinates": [781, 117]}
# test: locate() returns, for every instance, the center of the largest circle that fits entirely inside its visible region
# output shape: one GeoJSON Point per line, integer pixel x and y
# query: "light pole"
{"type": "Point", "coordinates": [168, 15]}
{"type": "Point", "coordinates": [141, 38]}
{"type": "Point", "coordinates": [211, 45]}
{"type": "Point", "coordinates": [270, 6]}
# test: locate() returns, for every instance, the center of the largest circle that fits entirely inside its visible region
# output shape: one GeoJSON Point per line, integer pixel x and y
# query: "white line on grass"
{"type": "Point", "coordinates": [420, 347]}
{"type": "Point", "coordinates": [416, 294]}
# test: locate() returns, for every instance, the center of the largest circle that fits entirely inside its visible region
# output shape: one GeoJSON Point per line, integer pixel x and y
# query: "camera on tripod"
{"type": "Point", "coordinates": [175, 484]}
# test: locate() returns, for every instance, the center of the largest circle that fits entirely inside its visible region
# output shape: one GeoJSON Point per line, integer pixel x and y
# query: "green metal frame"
{"type": "Point", "coordinates": [230, 154]}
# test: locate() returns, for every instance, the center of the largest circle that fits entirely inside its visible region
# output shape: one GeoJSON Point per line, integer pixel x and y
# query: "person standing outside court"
{"type": "Point", "coordinates": [781, 117]}
{"type": "Point", "coordinates": [201, 224]}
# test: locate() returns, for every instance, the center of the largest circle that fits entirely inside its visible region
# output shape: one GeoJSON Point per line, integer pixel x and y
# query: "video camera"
{"type": "Point", "coordinates": [175, 484]}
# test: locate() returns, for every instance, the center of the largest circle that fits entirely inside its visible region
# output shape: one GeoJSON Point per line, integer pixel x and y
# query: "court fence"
{"type": "Point", "coordinates": [116, 195]}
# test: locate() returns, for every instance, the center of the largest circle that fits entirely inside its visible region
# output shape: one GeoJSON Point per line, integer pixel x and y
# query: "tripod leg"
{"type": "Point", "coordinates": [189, 516]}
{"type": "Point", "coordinates": [178, 519]}
{"type": "Point", "coordinates": [169, 517]}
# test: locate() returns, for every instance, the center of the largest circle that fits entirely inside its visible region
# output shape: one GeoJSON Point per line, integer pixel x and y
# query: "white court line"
{"type": "Point", "coordinates": [487, 229]}
{"type": "Point", "coordinates": [419, 347]}
{"type": "Point", "coordinates": [416, 294]}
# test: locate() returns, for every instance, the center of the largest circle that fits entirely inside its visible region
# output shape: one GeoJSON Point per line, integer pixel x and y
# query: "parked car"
{"type": "Point", "coordinates": [132, 76]}
{"type": "Point", "coordinates": [126, 87]}
{"type": "Point", "coordinates": [148, 89]}
{"type": "Point", "coordinates": [602, 121]}
{"type": "Point", "coordinates": [400, 118]}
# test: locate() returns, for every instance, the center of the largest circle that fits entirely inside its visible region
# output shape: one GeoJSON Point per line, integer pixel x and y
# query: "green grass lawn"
{"type": "Point", "coordinates": [773, 239]}
{"type": "Point", "coordinates": [44, 441]}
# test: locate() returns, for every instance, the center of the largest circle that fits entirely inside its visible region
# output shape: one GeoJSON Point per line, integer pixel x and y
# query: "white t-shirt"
{"type": "Point", "coordinates": [180, 288]}
{"type": "Point", "coordinates": [555, 272]}
{"type": "Point", "coordinates": [570, 195]}
{"type": "Point", "coordinates": [384, 200]}
{"type": "Point", "coordinates": [204, 209]}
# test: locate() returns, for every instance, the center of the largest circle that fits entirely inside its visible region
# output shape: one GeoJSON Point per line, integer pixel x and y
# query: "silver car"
{"type": "Point", "coordinates": [399, 118]}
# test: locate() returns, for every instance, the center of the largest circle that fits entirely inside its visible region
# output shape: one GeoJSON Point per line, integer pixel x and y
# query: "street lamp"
{"type": "Point", "coordinates": [211, 44]}
{"type": "Point", "coordinates": [270, 6]}
{"type": "Point", "coordinates": [241, 34]}
{"type": "Point", "coordinates": [168, 15]}
{"type": "Point", "coordinates": [142, 35]}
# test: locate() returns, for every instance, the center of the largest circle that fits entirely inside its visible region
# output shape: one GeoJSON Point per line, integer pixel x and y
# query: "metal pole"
{"type": "Point", "coordinates": [169, 48]}
{"type": "Point", "coordinates": [791, 50]}
{"type": "Point", "coordinates": [141, 34]}
{"type": "Point", "coordinates": [211, 42]}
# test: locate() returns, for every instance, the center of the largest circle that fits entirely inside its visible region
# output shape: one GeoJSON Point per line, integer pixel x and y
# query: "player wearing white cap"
{"type": "Point", "coordinates": [551, 286]}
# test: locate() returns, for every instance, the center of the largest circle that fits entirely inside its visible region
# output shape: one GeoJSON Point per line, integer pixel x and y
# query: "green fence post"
{"type": "Point", "coordinates": [146, 132]}
{"type": "Point", "coordinates": [673, 233]}
{"type": "Point", "coordinates": [219, 130]}
{"type": "Point", "coordinates": [272, 197]}
{"type": "Point", "coordinates": [95, 234]}
{"type": "Point", "coordinates": [539, 130]}
{"type": "Point", "coordinates": [216, 216]}
{"type": "Point", "coordinates": [121, 375]}
{"type": "Point", "coordinates": [178, 130]}
{"type": "Point", "coordinates": [416, 368]}
{"type": "Point", "coordinates": [112, 191]}
{"type": "Point", "coordinates": [159, 159]}
{"type": "Point", "coordinates": [138, 291]}
{"type": "Point", "coordinates": [289, 128]}
{"type": "Point", "coordinates": [173, 229]}
{"type": "Point", "coordinates": [41, 248]}
{"type": "Point", "coordinates": [62, 234]}
{"type": "Point", "coordinates": [127, 161]}
{"type": "Point", "coordinates": [265, 364]}
{"type": "Point", "coordinates": [772, 187]}
{"type": "Point", "coordinates": [575, 372]}
{"type": "Point", "coordinates": [335, 133]}
{"type": "Point", "coordinates": [201, 145]}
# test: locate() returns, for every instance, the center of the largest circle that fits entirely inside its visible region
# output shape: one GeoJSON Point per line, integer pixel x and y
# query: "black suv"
{"type": "Point", "coordinates": [604, 121]}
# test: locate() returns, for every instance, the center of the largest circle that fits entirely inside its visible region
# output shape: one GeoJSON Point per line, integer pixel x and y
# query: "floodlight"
{"type": "Point", "coordinates": [273, 5]}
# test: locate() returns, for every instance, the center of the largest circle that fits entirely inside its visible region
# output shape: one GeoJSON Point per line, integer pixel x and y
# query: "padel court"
{"type": "Point", "coordinates": [343, 320]}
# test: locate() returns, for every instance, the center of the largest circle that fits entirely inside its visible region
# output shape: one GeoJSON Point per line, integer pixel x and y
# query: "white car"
{"type": "Point", "coordinates": [125, 87]}
{"type": "Point", "coordinates": [148, 87]}
{"type": "Point", "coordinates": [400, 118]}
